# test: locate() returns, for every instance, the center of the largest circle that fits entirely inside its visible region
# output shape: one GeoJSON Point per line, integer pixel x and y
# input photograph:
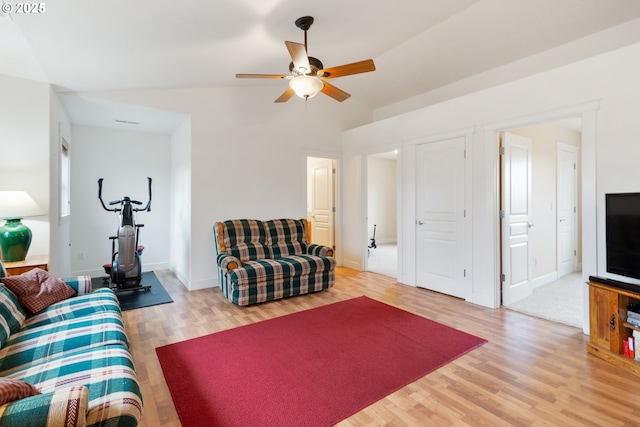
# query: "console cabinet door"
{"type": "Point", "coordinates": [604, 319]}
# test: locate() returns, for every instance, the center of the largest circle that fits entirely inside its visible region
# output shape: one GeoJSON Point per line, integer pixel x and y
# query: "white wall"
{"type": "Point", "coordinates": [382, 199]}
{"type": "Point", "coordinates": [24, 144]}
{"type": "Point", "coordinates": [60, 249]}
{"type": "Point", "coordinates": [125, 160]}
{"type": "Point", "coordinates": [180, 202]}
{"type": "Point", "coordinates": [247, 156]}
{"type": "Point", "coordinates": [609, 81]}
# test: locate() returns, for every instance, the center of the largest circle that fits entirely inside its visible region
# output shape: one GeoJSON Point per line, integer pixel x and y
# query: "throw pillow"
{"type": "Point", "coordinates": [38, 289]}
{"type": "Point", "coordinates": [11, 389]}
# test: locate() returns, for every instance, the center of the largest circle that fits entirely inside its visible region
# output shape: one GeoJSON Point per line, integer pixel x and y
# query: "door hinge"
{"type": "Point", "coordinates": [575, 253]}
{"type": "Point", "coordinates": [501, 151]}
{"type": "Point", "coordinates": [333, 209]}
{"type": "Point", "coordinates": [464, 156]}
{"type": "Point", "coordinates": [574, 166]}
{"type": "Point", "coordinates": [464, 272]}
{"type": "Point", "coordinates": [503, 277]}
{"type": "Point", "coordinates": [501, 214]}
{"type": "Point", "coordinates": [333, 170]}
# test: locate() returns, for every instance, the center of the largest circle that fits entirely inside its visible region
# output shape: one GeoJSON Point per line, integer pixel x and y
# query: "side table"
{"type": "Point", "coordinates": [19, 267]}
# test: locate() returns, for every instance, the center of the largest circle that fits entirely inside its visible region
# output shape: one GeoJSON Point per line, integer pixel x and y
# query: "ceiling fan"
{"type": "Point", "coordinates": [308, 75]}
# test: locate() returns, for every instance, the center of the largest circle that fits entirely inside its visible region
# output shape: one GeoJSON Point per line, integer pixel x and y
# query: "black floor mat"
{"type": "Point", "coordinates": [130, 300]}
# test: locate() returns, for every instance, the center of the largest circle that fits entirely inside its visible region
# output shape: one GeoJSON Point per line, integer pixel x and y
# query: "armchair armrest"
{"type": "Point", "coordinates": [64, 407]}
{"type": "Point", "coordinates": [228, 262]}
{"type": "Point", "coordinates": [81, 284]}
{"type": "Point", "coordinates": [319, 250]}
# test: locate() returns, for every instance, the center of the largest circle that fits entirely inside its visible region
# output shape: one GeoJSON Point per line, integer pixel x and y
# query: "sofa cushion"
{"type": "Point", "coordinates": [101, 300]}
{"type": "Point", "coordinates": [308, 264]}
{"type": "Point", "coordinates": [12, 315]}
{"type": "Point", "coordinates": [245, 239]}
{"type": "Point", "coordinates": [47, 342]}
{"type": "Point", "coordinates": [286, 237]}
{"type": "Point", "coordinates": [37, 289]}
{"type": "Point", "coordinates": [12, 389]}
{"type": "Point", "coordinates": [107, 372]}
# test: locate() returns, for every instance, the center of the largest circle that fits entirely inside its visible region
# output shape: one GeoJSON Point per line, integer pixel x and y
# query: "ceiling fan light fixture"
{"type": "Point", "coordinates": [306, 86]}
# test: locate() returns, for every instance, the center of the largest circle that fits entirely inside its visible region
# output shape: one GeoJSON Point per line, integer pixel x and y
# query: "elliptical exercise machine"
{"type": "Point", "coordinates": [125, 270]}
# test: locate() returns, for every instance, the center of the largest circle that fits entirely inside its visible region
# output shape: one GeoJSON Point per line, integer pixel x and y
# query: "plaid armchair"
{"type": "Point", "coordinates": [267, 260]}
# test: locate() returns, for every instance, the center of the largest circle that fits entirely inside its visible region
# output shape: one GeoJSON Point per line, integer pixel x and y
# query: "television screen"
{"type": "Point", "coordinates": [623, 234]}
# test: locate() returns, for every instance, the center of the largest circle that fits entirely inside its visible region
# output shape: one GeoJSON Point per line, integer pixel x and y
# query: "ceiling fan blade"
{"type": "Point", "coordinates": [286, 95]}
{"type": "Point", "coordinates": [299, 57]}
{"type": "Point", "coordinates": [261, 76]}
{"type": "Point", "coordinates": [337, 94]}
{"type": "Point", "coordinates": [348, 69]}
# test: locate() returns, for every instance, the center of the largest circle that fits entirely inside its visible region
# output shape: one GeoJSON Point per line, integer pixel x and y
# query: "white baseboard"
{"type": "Point", "coordinates": [543, 280]}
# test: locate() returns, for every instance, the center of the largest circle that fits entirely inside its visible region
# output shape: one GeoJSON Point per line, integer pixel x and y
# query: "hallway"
{"type": "Point", "coordinates": [560, 301]}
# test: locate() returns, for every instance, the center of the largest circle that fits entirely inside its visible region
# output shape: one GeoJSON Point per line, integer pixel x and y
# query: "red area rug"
{"type": "Point", "coordinates": [312, 368]}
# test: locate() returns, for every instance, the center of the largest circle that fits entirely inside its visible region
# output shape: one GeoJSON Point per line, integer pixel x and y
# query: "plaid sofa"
{"type": "Point", "coordinates": [267, 260]}
{"type": "Point", "coordinates": [75, 353]}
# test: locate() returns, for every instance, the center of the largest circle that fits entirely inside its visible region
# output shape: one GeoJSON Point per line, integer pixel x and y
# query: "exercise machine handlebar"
{"type": "Point", "coordinates": [124, 200]}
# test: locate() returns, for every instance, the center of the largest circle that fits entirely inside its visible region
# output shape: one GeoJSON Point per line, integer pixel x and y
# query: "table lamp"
{"type": "Point", "coordinates": [15, 237]}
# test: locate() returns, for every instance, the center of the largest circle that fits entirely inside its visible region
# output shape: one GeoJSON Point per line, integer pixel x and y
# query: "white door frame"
{"type": "Point", "coordinates": [572, 150]}
{"type": "Point", "coordinates": [588, 112]}
{"type": "Point", "coordinates": [398, 201]}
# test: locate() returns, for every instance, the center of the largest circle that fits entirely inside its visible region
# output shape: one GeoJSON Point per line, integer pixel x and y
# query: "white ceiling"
{"type": "Point", "coordinates": [418, 45]}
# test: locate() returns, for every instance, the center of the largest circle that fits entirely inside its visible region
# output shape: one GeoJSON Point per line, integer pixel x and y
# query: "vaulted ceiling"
{"type": "Point", "coordinates": [419, 46]}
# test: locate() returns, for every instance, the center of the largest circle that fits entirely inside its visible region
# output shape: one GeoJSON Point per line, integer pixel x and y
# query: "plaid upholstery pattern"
{"type": "Point", "coordinates": [80, 284]}
{"type": "Point", "coordinates": [36, 345]}
{"type": "Point", "coordinates": [286, 237]}
{"type": "Point", "coordinates": [97, 302]}
{"type": "Point", "coordinates": [288, 266]}
{"type": "Point", "coordinates": [64, 407]}
{"type": "Point", "coordinates": [12, 316]}
{"type": "Point", "coordinates": [107, 372]}
{"type": "Point", "coordinates": [76, 353]}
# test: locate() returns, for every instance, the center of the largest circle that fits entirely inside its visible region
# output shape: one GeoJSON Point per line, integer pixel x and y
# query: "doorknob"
{"type": "Point", "coordinates": [419, 222]}
{"type": "Point", "coordinates": [529, 224]}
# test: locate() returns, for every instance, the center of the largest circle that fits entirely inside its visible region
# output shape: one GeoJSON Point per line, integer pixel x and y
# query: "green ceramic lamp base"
{"type": "Point", "coordinates": [15, 239]}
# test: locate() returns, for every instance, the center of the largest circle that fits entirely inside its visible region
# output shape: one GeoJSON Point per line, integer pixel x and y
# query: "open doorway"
{"type": "Point", "coordinates": [382, 217]}
{"type": "Point", "coordinates": [541, 229]}
{"type": "Point", "coordinates": [321, 185]}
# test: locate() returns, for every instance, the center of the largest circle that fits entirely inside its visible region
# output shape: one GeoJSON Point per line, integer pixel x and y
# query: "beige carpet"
{"type": "Point", "coordinates": [560, 301]}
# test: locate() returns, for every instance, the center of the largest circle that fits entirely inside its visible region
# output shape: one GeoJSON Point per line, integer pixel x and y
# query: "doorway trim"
{"type": "Point", "coordinates": [588, 112]}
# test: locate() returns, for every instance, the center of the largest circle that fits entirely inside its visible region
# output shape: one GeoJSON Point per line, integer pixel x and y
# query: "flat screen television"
{"type": "Point", "coordinates": [623, 234]}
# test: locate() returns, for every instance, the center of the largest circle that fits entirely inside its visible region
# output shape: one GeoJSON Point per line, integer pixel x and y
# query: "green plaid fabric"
{"type": "Point", "coordinates": [12, 315]}
{"type": "Point", "coordinates": [76, 344]}
{"type": "Point", "coordinates": [96, 302]}
{"type": "Point", "coordinates": [109, 375]}
{"type": "Point", "coordinates": [46, 342]}
{"type": "Point", "coordinates": [64, 407]}
{"type": "Point", "coordinates": [274, 260]}
{"type": "Point", "coordinates": [80, 284]}
{"type": "Point", "coordinates": [286, 237]}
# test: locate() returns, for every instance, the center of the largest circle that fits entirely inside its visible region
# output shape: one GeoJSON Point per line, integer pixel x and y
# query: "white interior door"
{"type": "Point", "coordinates": [516, 217]}
{"type": "Point", "coordinates": [322, 205]}
{"type": "Point", "coordinates": [440, 217]}
{"type": "Point", "coordinates": [567, 227]}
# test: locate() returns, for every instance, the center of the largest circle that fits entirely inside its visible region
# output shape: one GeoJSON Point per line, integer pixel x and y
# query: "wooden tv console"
{"type": "Point", "coordinates": [607, 321]}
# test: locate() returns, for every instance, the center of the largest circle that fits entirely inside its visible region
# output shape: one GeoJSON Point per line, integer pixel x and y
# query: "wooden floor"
{"type": "Point", "coordinates": [532, 372]}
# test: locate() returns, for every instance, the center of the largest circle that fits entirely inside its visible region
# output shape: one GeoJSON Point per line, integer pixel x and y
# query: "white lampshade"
{"type": "Point", "coordinates": [18, 204]}
{"type": "Point", "coordinates": [306, 86]}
